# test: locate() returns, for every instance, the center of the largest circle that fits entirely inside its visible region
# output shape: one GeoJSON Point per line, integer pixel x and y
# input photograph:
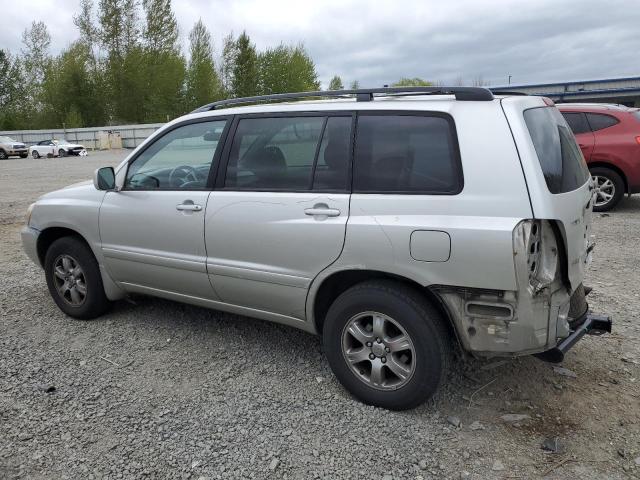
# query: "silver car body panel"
{"type": "Point", "coordinates": [260, 254]}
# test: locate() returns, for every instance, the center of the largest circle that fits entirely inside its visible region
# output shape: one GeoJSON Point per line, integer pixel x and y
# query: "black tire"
{"type": "Point", "coordinates": [24, 155]}
{"type": "Point", "coordinates": [62, 152]}
{"type": "Point", "coordinates": [618, 185]}
{"type": "Point", "coordinates": [35, 154]}
{"type": "Point", "coordinates": [421, 322]}
{"type": "Point", "coordinates": [95, 302]}
{"type": "Point", "coordinates": [3, 155]}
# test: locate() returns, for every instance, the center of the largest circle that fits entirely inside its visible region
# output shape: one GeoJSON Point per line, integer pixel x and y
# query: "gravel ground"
{"type": "Point", "coordinates": [157, 389]}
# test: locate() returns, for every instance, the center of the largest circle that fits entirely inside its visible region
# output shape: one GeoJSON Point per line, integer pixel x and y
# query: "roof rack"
{"type": "Point", "coordinates": [507, 92]}
{"type": "Point", "coordinates": [361, 94]}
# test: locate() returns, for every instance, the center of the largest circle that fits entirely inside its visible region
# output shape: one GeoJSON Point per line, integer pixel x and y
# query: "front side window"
{"type": "Point", "coordinates": [599, 121]}
{"type": "Point", "coordinates": [289, 153]}
{"type": "Point", "coordinates": [404, 153]}
{"type": "Point", "coordinates": [562, 163]}
{"type": "Point", "coordinates": [179, 160]}
{"type": "Point", "coordinates": [577, 121]}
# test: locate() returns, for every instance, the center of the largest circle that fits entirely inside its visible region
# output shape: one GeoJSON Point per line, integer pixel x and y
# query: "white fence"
{"type": "Point", "coordinates": [131, 135]}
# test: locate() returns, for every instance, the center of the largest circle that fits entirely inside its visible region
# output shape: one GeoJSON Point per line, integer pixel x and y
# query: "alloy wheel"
{"type": "Point", "coordinates": [70, 280]}
{"type": "Point", "coordinates": [605, 190]}
{"type": "Point", "coordinates": [378, 350]}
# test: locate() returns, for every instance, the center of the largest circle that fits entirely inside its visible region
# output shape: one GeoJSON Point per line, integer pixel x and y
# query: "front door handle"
{"type": "Point", "coordinates": [322, 210]}
{"type": "Point", "coordinates": [189, 206]}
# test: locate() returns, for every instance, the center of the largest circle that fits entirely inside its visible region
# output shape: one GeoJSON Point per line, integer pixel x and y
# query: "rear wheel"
{"type": "Point", "coordinates": [23, 155]}
{"type": "Point", "coordinates": [386, 344]}
{"type": "Point", "coordinates": [609, 188]}
{"type": "Point", "coordinates": [74, 280]}
{"type": "Point", "coordinates": [3, 154]}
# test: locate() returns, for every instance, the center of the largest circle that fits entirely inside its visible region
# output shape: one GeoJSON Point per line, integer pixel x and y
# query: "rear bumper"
{"type": "Point", "coordinates": [590, 323]}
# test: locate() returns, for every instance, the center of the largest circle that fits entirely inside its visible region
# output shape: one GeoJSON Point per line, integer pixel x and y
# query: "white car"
{"type": "Point", "coordinates": [56, 148]}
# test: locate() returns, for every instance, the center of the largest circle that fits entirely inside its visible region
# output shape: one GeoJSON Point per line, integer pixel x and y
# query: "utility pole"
{"type": "Point", "coordinates": [509, 79]}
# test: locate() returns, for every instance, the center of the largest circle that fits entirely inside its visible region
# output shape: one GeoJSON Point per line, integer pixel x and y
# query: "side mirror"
{"type": "Point", "coordinates": [104, 178]}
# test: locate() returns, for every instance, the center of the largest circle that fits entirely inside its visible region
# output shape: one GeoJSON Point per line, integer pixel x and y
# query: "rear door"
{"type": "Point", "coordinates": [557, 176]}
{"type": "Point", "coordinates": [584, 136]}
{"type": "Point", "coordinates": [278, 215]}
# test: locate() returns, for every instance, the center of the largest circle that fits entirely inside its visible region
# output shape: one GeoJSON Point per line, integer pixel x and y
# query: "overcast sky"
{"type": "Point", "coordinates": [379, 42]}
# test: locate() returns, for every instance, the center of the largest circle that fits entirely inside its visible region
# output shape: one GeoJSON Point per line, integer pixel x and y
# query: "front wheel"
{"type": "Point", "coordinates": [62, 152]}
{"type": "Point", "coordinates": [3, 155]}
{"type": "Point", "coordinates": [609, 188]}
{"type": "Point", "coordinates": [74, 280]}
{"type": "Point", "coordinates": [386, 344]}
{"type": "Point", "coordinates": [35, 154]}
{"type": "Point", "coordinates": [23, 155]}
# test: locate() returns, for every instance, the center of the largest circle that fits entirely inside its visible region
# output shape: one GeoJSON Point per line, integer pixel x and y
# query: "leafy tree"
{"type": "Point", "coordinates": [203, 83]}
{"type": "Point", "coordinates": [354, 85]}
{"type": "Point", "coordinates": [11, 93]}
{"type": "Point", "coordinates": [161, 29]}
{"type": "Point", "coordinates": [119, 28]}
{"type": "Point", "coordinates": [287, 69]}
{"type": "Point", "coordinates": [245, 68]}
{"type": "Point", "coordinates": [71, 93]}
{"type": "Point", "coordinates": [412, 82]}
{"type": "Point", "coordinates": [35, 62]}
{"type": "Point", "coordinates": [336, 83]}
{"type": "Point", "coordinates": [163, 64]}
{"type": "Point", "coordinates": [228, 65]}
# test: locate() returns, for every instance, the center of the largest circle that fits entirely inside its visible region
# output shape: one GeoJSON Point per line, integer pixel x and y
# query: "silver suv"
{"type": "Point", "coordinates": [400, 224]}
{"type": "Point", "coordinates": [10, 147]}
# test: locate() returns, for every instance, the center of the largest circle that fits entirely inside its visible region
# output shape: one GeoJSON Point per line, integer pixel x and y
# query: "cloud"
{"type": "Point", "coordinates": [379, 42]}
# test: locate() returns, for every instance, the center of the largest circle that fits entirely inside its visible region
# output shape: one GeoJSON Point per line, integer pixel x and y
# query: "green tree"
{"type": "Point", "coordinates": [245, 68]}
{"type": "Point", "coordinates": [163, 64]}
{"type": "Point", "coordinates": [71, 93]}
{"type": "Point", "coordinates": [203, 83]}
{"type": "Point", "coordinates": [36, 61]}
{"type": "Point", "coordinates": [336, 83]}
{"type": "Point", "coordinates": [355, 85]}
{"type": "Point", "coordinates": [287, 69]}
{"type": "Point", "coordinates": [11, 93]}
{"type": "Point", "coordinates": [227, 65]}
{"type": "Point", "coordinates": [412, 82]}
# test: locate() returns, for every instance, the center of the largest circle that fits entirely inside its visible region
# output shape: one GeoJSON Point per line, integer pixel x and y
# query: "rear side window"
{"type": "Point", "coordinates": [577, 121]}
{"type": "Point", "coordinates": [290, 153]}
{"type": "Point", "coordinates": [406, 154]}
{"type": "Point", "coordinates": [599, 121]}
{"type": "Point", "coordinates": [562, 162]}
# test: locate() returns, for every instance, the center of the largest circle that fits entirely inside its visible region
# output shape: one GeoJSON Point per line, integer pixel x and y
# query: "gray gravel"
{"type": "Point", "coordinates": [158, 389]}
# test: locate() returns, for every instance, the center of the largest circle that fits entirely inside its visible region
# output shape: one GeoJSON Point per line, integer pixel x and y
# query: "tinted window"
{"type": "Point", "coordinates": [577, 122]}
{"type": "Point", "coordinates": [403, 153]}
{"type": "Point", "coordinates": [179, 160]}
{"type": "Point", "coordinates": [562, 162]}
{"type": "Point", "coordinates": [598, 121]}
{"type": "Point", "coordinates": [332, 168]}
{"type": "Point", "coordinates": [280, 154]}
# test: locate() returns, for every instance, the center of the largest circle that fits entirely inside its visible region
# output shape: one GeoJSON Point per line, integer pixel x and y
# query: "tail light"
{"type": "Point", "coordinates": [638, 140]}
{"type": "Point", "coordinates": [536, 254]}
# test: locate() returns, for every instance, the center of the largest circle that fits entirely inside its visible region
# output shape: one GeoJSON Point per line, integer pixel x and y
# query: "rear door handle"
{"type": "Point", "coordinates": [189, 207]}
{"type": "Point", "coordinates": [324, 211]}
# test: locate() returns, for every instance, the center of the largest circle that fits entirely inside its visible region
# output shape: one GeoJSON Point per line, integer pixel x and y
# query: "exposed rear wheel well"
{"type": "Point", "coordinates": [615, 169]}
{"type": "Point", "coordinates": [50, 235]}
{"type": "Point", "coordinates": [339, 282]}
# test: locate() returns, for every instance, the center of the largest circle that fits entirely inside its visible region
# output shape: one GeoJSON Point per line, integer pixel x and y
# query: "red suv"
{"type": "Point", "coordinates": [609, 137]}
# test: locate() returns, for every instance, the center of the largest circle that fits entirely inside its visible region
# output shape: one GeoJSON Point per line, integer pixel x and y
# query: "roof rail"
{"type": "Point", "coordinates": [361, 94]}
{"type": "Point", "coordinates": [507, 92]}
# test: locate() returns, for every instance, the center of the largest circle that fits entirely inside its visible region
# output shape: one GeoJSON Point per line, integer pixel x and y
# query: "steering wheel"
{"type": "Point", "coordinates": [182, 175]}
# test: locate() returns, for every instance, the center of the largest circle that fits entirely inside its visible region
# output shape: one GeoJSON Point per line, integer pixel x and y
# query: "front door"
{"type": "Point", "coordinates": [152, 230]}
{"type": "Point", "coordinates": [279, 214]}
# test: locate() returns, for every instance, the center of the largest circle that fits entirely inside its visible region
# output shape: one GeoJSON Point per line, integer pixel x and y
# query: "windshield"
{"type": "Point", "coordinates": [62, 141]}
{"type": "Point", "coordinates": [7, 139]}
{"type": "Point", "coordinates": [561, 160]}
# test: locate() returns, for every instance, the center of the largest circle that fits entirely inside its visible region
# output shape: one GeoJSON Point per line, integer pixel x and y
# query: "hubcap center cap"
{"type": "Point", "coordinates": [378, 349]}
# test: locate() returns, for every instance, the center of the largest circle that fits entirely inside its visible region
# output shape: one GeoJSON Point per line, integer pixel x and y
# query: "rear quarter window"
{"type": "Point", "coordinates": [562, 163]}
{"type": "Point", "coordinates": [600, 121]}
